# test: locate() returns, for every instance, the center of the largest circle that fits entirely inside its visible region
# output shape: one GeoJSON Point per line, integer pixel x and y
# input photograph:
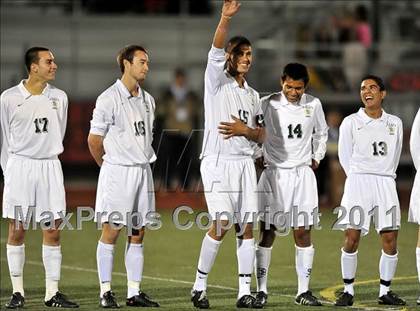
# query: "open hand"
{"type": "Point", "coordinates": [230, 7]}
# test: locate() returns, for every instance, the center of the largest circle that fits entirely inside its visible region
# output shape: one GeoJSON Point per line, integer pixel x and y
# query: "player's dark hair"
{"type": "Point", "coordinates": [233, 46]}
{"type": "Point", "coordinates": [378, 81]}
{"type": "Point", "coordinates": [31, 56]}
{"type": "Point", "coordinates": [127, 53]}
{"type": "Point", "coordinates": [296, 71]}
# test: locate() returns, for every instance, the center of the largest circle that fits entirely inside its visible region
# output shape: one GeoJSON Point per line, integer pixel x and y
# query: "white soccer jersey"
{"type": "Point", "coordinates": [414, 211]}
{"type": "Point", "coordinates": [370, 146]}
{"type": "Point", "coordinates": [32, 126]}
{"type": "Point", "coordinates": [295, 133]}
{"type": "Point", "coordinates": [126, 122]}
{"type": "Point", "coordinates": [415, 141]}
{"type": "Point", "coordinates": [224, 97]}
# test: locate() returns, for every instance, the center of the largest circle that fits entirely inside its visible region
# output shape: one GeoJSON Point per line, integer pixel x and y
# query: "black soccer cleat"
{"type": "Point", "coordinates": [344, 300]}
{"type": "Point", "coordinates": [60, 301]}
{"type": "Point", "coordinates": [261, 298]}
{"type": "Point", "coordinates": [199, 299]}
{"type": "Point", "coordinates": [391, 299]}
{"type": "Point", "coordinates": [307, 299]}
{"type": "Point", "coordinates": [109, 301]}
{"type": "Point", "coordinates": [141, 300]}
{"type": "Point", "coordinates": [248, 302]}
{"type": "Point", "coordinates": [16, 301]}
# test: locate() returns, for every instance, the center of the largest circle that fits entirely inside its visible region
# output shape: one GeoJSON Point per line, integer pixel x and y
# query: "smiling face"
{"type": "Point", "coordinates": [240, 60]}
{"type": "Point", "coordinates": [371, 94]}
{"type": "Point", "coordinates": [293, 89]}
{"type": "Point", "coordinates": [45, 68]}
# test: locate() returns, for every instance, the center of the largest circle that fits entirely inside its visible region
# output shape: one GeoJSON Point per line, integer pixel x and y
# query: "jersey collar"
{"type": "Point", "coordinates": [26, 94]}
{"type": "Point", "coordinates": [124, 91]}
{"type": "Point", "coordinates": [285, 102]}
{"type": "Point", "coordinates": [246, 86]}
{"type": "Point", "coordinates": [366, 119]}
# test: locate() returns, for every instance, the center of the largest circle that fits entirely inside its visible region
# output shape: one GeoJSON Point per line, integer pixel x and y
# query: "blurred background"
{"type": "Point", "coordinates": [339, 41]}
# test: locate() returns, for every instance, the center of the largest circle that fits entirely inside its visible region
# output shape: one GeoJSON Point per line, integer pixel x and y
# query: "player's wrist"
{"type": "Point", "coordinates": [227, 17]}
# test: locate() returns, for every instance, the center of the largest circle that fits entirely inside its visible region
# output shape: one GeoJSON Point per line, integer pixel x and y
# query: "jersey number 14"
{"type": "Point", "coordinates": [295, 132]}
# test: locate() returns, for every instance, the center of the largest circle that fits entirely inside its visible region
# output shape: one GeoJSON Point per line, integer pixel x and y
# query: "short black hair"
{"type": "Point", "coordinates": [234, 44]}
{"type": "Point", "coordinates": [31, 56]}
{"type": "Point", "coordinates": [296, 71]}
{"type": "Point", "coordinates": [127, 53]}
{"type": "Point", "coordinates": [377, 79]}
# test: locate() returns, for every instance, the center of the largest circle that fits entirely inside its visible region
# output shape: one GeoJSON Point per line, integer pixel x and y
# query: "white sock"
{"type": "Point", "coordinates": [51, 256]}
{"type": "Point", "coordinates": [134, 260]}
{"type": "Point", "coordinates": [304, 258]}
{"type": "Point", "coordinates": [418, 261]}
{"type": "Point", "coordinates": [245, 251]}
{"type": "Point", "coordinates": [262, 263]}
{"type": "Point", "coordinates": [348, 270]}
{"type": "Point", "coordinates": [105, 259]}
{"type": "Point", "coordinates": [387, 267]}
{"type": "Point", "coordinates": [16, 261]}
{"type": "Point", "coordinates": [209, 249]}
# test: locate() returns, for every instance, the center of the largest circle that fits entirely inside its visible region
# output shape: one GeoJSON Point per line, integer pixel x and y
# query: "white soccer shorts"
{"type": "Point", "coordinates": [125, 191]}
{"type": "Point", "coordinates": [368, 197]}
{"type": "Point", "coordinates": [33, 185]}
{"type": "Point", "coordinates": [414, 211]}
{"type": "Point", "coordinates": [288, 198]}
{"type": "Point", "coordinates": [230, 188]}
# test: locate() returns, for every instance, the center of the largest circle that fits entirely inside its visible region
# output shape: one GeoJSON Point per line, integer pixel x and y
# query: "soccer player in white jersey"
{"type": "Point", "coordinates": [369, 150]}
{"type": "Point", "coordinates": [227, 167]}
{"type": "Point", "coordinates": [414, 212]}
{"type": "Point", "coordinates": [120, 141]}
{"type": "Point", "coordinates": [33, 122]}
{"type": "Point", "coordinates": [295, 143]}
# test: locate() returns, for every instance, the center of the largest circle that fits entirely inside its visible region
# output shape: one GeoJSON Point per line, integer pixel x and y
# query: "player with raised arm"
{"type": "Point", "coordinates": [227, 167]}
{"type": "Point", "coordinates": [369, 150]}
{"type": "Point", "coordinates": [33, 122]}
{"type": "Point", "coordinates": [414, 212]}
{"type": "Point", "coordinates": [120, 141]}
{"type": "Point", "coordinates": [295, 142]}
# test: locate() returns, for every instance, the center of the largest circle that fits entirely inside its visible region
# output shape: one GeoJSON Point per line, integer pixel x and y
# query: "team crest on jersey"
{"type": "Point", "coordinates": [391, 128]}
{"type": "Point", "coordinates": [146, 105]}
{"type": "Point", "coordinates": [308, 111]}
{"type": "Point", "coordinates": [54, 103]}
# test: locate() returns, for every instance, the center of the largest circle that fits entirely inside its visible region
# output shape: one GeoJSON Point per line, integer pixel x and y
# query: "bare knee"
{"type": "Point", "coordinates": [16, 234]}
{"type": "Point", "coordinates": [389, 242]}
{"type": "Point", "coordinates": [351, 242]}
{"type": "Point", "coordinates": [109, 234]}
{"type": "Point", "coordinates": [136, 236]}
{"type": "Point", "coordinates": [302, 237]}
{"type": "Point", "coordinates": [245, 232]}
{"type": "Point", "coordinates": [218, 230]}
{"type": "Point", "coordinates": [267, 235]}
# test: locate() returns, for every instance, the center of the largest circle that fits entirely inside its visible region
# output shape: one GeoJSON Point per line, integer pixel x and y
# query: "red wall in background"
{"type": "Point", "coordinates": [76, 150]}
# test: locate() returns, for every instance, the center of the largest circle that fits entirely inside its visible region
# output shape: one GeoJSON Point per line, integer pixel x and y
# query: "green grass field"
{"type": "Point", "coordinates": [171, 258]}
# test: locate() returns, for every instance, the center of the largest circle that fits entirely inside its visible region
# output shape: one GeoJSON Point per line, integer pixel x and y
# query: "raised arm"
{"type": "Point", "coordinates": [229, 9]}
